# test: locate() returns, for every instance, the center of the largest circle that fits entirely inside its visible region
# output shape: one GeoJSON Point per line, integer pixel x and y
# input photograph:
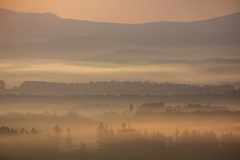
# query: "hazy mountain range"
{"type": "Point", "coordinates": [45, 35]}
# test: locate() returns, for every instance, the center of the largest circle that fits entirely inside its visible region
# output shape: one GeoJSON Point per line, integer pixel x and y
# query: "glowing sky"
{"type": "Point", "coordinates": [128, 11]}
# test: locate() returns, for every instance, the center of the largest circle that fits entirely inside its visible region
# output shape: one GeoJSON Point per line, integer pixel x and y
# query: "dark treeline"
{"type": "Point", "coordinates": [11, 131]}
{"type": "Point", "coordinates": [174, 115]}
{"type": "Point", "coordinates": [227, 99]}
{"type": "Point", "coordinates": [127, 143]}
{"type": "Point", "coordinates": [161, 107]}
{"type": "Point", "coordinates": [46, 118]}
{"type": "Point", "coordinates": [72, 118]}
{"type": "Point", "coordinates": [115, 88]}
{"type": "Point", "coordinates": [29, 144]}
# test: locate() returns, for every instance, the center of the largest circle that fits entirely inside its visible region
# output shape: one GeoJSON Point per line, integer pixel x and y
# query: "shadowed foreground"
{"type": "Point", "coordinates": [124, 143]}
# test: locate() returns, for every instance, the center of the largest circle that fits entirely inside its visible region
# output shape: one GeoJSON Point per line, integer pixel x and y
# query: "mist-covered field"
{"type": "Point", "coordinates": [200, 72]}
{"type": "Point", "coordinates": [74, 89]}
{"type": "Point", "coordinates": [35, 125]}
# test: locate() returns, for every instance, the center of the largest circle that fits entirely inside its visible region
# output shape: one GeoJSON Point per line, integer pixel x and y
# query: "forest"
{"type": "Point", "coordinates": [125, 142]}
{"type": "Point", "coordinates": [119, 120]}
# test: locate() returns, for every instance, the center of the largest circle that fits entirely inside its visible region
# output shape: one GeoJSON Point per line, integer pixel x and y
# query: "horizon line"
{"type": "Point", "coordinates": [118, 22]}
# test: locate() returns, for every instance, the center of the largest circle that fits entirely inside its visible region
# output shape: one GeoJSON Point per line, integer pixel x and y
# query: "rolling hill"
{"type": "Point", "coordinates": [45, 35]}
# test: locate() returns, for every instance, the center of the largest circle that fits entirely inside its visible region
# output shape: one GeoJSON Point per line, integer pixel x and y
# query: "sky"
{"type": "Point", "coordinates": [128, 11]}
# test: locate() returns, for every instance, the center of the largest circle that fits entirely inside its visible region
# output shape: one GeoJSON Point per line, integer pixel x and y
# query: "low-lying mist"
{"type": "Point", "coordinates": [72, 71]}
{"type": "Point", "coordinates": [168, 140]}
{"type": "Point", "coordinates": [202, 125]}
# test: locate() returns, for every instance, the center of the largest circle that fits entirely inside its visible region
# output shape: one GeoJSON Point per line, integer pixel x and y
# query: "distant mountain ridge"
{"type": "Point", "coordinates": [127, 55]}
{"type": "Point", "coordinates": [47, 35]}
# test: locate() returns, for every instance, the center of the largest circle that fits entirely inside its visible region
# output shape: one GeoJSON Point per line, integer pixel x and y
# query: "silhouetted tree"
{"type": "Point", "coordinates": [8, 131]}
{"type": "Point", "coordinates": [83, 147]}
{"type": "Point", "coordinates": [229, 140]}
{"type": "Point", "coordinates": [22, 131]}
{"type": "Point", "coordinates": [131, 109]}
{"type": "Point", "coordinates": [57, 129]}
{"type": "Point", "coordinates": [195, 139]}
{"type": "Point", "coordinates": [69, 140]}
{"type": "Point", "coordinates": [105, 136]}
{"type": "Point", "coordinates": [158, 140]}
{"type": "Point", "coordinates": [177, 134]}
{"type": "Point", "coordinates": [34, 131]}
{"type": "Point", "coordinates": [56, 140]}
{"type": "Point", "coordinates": [2, 85]}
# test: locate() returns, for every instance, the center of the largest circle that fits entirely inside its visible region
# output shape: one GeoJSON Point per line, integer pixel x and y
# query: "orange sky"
{"type": "Point", "coordinates": [128, 11]}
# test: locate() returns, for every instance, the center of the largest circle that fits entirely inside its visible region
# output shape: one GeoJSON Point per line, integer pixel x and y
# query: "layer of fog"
{"type": "Point", "coordinates": [84, 71]}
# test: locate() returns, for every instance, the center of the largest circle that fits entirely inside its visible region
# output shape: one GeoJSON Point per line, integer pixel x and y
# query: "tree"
{"type": "Point", "coordinates": [83, 147]}
{"type": "Point", "coordinates": [22, 131]}
{"type": "Point", "coordinates": [131, 108]}
{"type": "Point", "coordinates": [100, 135]}
{"type": "Point", "coordinates": [56, 132]}
{"type": "Point", "coordinates": [2, 85]}
{"type": "Point", "coordinates": [229, 140]}
{"type": "Point", "coordinates": [105, 136]}
{"type": "Point", "coordinates": [69, 140]}
{"type": "Point", "coordinates": [57, 129]}
{"type": "Point", "coordinates": [177, 136]}
{"type": "Point", "coordinates": [34, 131]}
